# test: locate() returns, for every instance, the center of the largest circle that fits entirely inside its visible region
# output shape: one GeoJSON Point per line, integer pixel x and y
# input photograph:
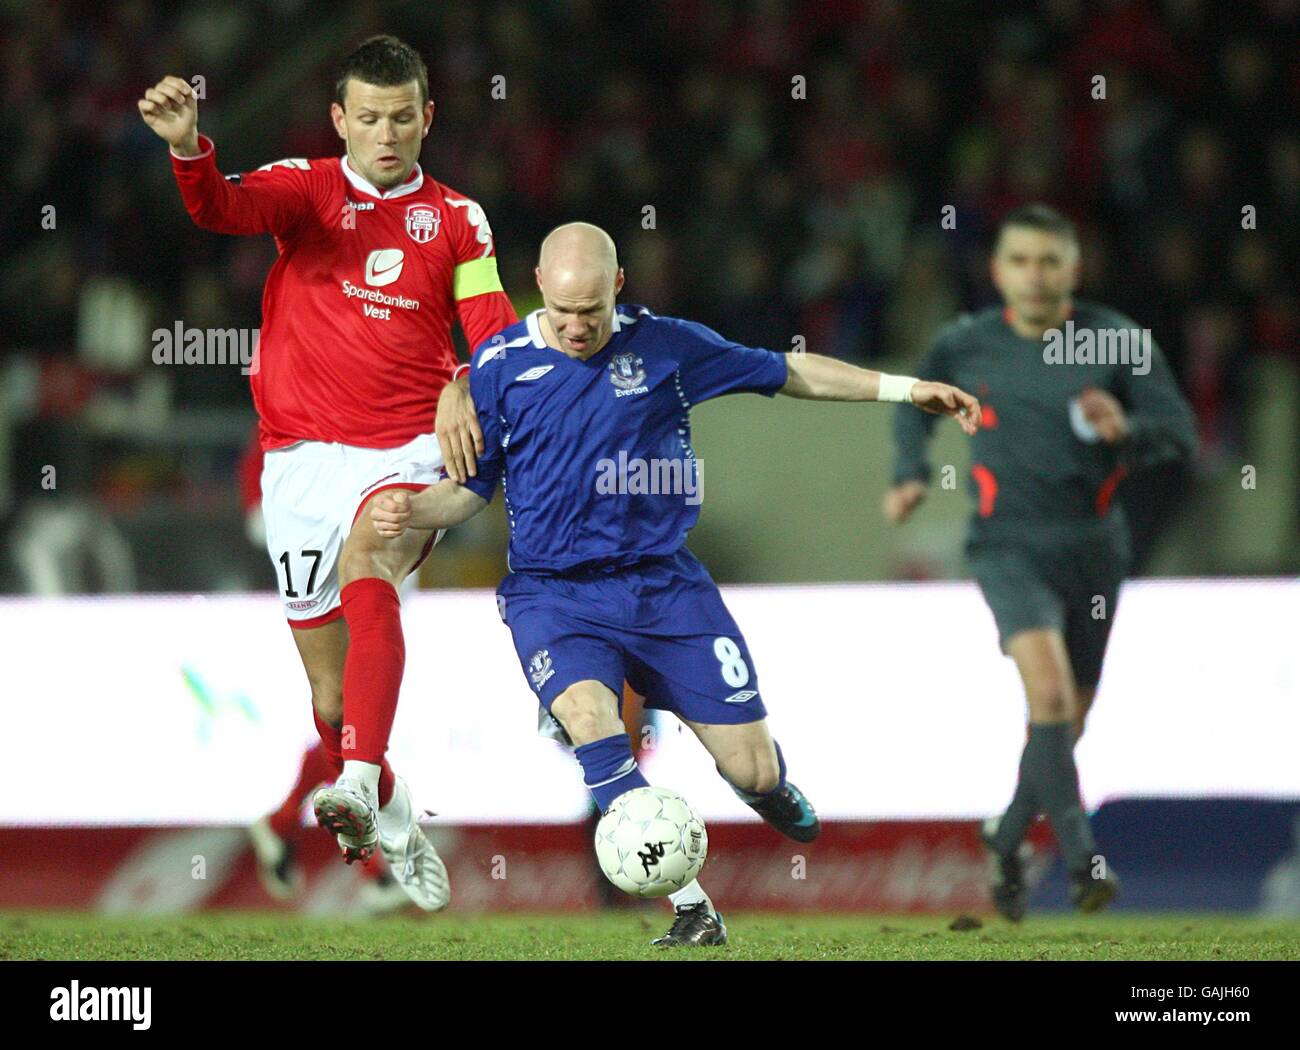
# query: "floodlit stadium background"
{"type": "Point", "coordinates": [773, 218]}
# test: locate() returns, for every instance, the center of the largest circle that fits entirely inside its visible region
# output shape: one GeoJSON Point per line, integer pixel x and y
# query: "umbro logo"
{"type": "Point", "coordinates": [741, 697]}
{"type": "Point", "coordinates": [533, 373]}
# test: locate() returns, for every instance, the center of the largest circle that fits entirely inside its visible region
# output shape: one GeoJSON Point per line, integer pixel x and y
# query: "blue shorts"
{"type": "Point", "coordinates": [659, 624]}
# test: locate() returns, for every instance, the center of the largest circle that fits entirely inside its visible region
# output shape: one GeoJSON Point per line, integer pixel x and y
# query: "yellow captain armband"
{"type": "Point", "coordinates": [475, 277]}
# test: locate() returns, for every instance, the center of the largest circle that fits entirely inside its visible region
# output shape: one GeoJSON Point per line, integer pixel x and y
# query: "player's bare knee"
{"type": "Point", "coordinates": [367, 556]}
{"type": "Point", "coordinates": [328, 704]}
{"type": "Point", "coordinates": [767, 772]}
{"type": "Point", "coordinates": [1049, 701]}
{"type": "Point", "coordinates": [358, 561]}
{"type": "Point", "coordinates": [585, 726]}
{"type": "Point", "coordinates": [587, 713]}
{"type": "Point", "coordinates": [1083, 699]}
{"type": "Point", "coordinates": [752, 770]}
{"type": "Point", "coordinates": [754, 780]}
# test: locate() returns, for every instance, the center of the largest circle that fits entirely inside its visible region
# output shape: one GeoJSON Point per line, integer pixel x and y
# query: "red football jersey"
{"type": "Point", "coordinates": [355, 344]}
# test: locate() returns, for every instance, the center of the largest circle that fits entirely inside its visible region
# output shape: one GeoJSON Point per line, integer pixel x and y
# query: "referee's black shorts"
{"type": "Point", "coordinates": [1067, 582]}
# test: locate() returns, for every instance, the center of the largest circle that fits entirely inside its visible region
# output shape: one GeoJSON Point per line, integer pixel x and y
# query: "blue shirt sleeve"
{"type": "Point", "coordinates": [483, 389]}
{"type": "Point", "coordinates": [712, 366]}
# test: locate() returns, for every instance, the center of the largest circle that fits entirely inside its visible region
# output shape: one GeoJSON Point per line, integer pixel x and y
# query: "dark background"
{"type": "Point", "coordinates": [773, 215]}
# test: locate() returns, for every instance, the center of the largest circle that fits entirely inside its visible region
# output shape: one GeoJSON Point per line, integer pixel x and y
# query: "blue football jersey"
{"type": "Point", "coordinates": [595, 456]}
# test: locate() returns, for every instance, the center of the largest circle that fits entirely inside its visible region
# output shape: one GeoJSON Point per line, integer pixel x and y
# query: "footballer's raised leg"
{"type": "Point", "coordinates": [371, 568]}
{"type": "Point", "coordinates": [751, 762]}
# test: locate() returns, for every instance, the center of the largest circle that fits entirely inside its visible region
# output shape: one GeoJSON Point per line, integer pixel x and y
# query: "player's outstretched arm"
{"type": "Point", "coordinates": [260, 203]}
{"type": "Point", "coordinates": [441, 506]}
{"type": "Point", "coordinates": [819, 378]}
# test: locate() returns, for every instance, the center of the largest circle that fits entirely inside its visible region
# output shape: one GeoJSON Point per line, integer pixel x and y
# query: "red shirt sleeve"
{"type": "Point", "coordinates": [274, 199]}
{"type": "Point", "coordinates": [484, 315]}
{"type": "Point", "coordinates": [481, 303]}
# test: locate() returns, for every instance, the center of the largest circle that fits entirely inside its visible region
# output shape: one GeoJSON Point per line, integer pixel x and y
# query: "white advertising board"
{"type": "Point", "coordinates": [890, 701]}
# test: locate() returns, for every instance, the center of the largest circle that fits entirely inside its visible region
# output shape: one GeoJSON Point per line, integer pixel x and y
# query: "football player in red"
{"type": "Point", "coordinates": [355, 364]}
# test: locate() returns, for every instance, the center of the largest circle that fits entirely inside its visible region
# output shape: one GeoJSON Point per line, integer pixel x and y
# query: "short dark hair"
{"type": "Point", "coordinates": [1041, 217]}
{"type": "Point", "coordinates": [383, 61]}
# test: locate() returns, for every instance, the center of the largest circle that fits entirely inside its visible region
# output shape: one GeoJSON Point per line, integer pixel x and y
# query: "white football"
{"type": "Point", "coordinates": [651, 842]}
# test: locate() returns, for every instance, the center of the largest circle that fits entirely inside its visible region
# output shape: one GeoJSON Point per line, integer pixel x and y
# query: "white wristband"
{"type": "Point", "coordinates": [895, 388]}
{"type": "Point", "coordinates": [460, 371]}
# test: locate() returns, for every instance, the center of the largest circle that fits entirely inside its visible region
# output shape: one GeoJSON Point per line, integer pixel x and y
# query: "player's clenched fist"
{"type": "Point", "coordinates": [172, 110]}
{"type": "Point", "coordinates": [391, 513]}
{"type": "Point", "coordinates": [940, 399]}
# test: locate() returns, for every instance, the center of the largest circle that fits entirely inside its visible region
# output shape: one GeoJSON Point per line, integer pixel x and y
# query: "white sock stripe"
{"type": "Point", "coordinates": [623, 770]}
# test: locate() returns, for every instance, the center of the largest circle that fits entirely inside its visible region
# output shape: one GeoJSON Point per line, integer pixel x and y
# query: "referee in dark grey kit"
{"type": "Point", "coordinates": [1074, 396]}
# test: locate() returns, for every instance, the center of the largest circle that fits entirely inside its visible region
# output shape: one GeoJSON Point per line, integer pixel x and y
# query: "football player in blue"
{"type": "Point", "coordinates": [584, 407]}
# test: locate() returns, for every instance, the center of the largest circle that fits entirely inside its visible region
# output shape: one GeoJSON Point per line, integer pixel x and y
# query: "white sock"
{"type": "Point", "coordinates": [691, 893]}
{"type": "Point", "coordinates": [396, 816]}
{"type": "Point", "coordinates": [363, 772]}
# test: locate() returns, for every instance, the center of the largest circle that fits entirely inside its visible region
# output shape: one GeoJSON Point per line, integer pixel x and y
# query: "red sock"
{"type": "Point", "coordinates": [315, 769]}
{"type": "Point", "coordinates": [331, 739]}
{"type": "Point", "coordinates": [372, 674]}
{"type": "Point", "coordinates": [385, 783]}
{"type": "Point", "coordinates": [331, 751]}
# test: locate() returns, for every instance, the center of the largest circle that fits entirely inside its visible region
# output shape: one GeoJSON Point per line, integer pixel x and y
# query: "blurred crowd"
{"type": "Point", "coordinates": [770, 168]}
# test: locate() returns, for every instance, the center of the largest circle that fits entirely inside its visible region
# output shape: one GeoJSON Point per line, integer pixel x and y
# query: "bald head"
{"type": "Point", "coordinates": [578, 248]}
{"type": "Point", "coordinates": [579, 277]}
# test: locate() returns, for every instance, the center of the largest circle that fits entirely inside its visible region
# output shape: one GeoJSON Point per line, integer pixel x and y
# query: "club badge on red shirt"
{"type": "Point", "coordinates": [422, 221]}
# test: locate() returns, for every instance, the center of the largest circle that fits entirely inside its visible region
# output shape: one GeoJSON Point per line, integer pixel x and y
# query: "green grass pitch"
{"type": "Point", "coordinates": [625, 935]}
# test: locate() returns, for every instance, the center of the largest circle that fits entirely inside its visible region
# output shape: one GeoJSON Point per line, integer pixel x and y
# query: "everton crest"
{"type": "Point", "coordinates": [422, 221]}
{"type": "Point", "coordinates": [539, 667]}
{"type": "Point", "coordinates": [627, 373]}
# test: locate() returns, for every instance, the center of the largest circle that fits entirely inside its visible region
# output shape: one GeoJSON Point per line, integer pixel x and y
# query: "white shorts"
{"type": "Point", "coordinates": [311, 495]}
